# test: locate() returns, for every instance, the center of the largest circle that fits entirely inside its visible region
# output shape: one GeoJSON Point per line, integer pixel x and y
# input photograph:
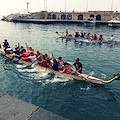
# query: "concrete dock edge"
{"type": "Point", "coordinates": [12, 108]}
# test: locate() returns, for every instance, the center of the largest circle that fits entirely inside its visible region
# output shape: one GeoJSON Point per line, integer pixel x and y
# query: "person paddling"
{"type": "Point", "coordinates": [66, 69]}
{"type": "Point", "coordinates": [30, 49]}
{"type": "Point", "coordinates": [78, 66]}
{"type": "Point", "coordinates": [39, 55]}
{"type": "Point", "coordinates": [94, 37]}
{"type": "Point", "coordinates": [24, 55]}
{"type": "Point", "coordinates": [101, 37]}
{"type": "Point", "coordinates": [60, 63]}
{"type": "Point", "coordinates": [111, 38]}
{"type": "Point", "coordinates": [5, 45]}
{"type": "Point", "coordinates": [45, 61]}
{"type": "Point", "coordinates": [53, 63]}
{"type": "Point", "coordinates": [33, 58]}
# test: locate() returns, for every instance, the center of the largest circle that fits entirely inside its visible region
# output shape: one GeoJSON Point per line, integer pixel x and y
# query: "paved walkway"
{"type": "Point", "coordinates": [12, 108]}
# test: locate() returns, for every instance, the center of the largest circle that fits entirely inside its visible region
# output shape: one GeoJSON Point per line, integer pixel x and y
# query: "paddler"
{"type": "Point", "coordinates": [78, 66]}
{"type": "Point", "coordinates": [33, 58]}
{"type": "Point", "coordinates": [5, 45]}
{"type": "Point", "coordinates": [53, 63]}
{"type": "Point", "coordinates": [24, 56]}
{"type": "Point", "coordinates": [66, 68]}
{"type": "Point", "coordinates": [30, 49]}
{"type": "Point", "coordinates": [88, 36]}
{"type": "Point", "coordinates": [39, 55]}
{"type": "Point", "coordinates": [77, 34]}
{"type": "Point", "coordinates": [101, 37]}
{"type": "Point", "coordinates": [66, 32]}
{"type": "Point", "coordinates": [45, 61]}
{"type": "Point", "coordinates": [111, 38]}
{"type": "Point", "coordinates": [94, 37]}
{"type": "Point", "coordinates": [60, 63]}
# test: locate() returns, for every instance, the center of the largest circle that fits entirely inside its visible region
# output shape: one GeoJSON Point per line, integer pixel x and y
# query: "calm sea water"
{"type": "Point", "coordinates": [72, 99]}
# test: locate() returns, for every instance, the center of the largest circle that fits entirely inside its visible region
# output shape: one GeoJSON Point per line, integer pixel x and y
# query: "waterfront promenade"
{"type": "Point", "coordinates": [12, 108]}
{"type": "Point", "coordinates": [53, 21]}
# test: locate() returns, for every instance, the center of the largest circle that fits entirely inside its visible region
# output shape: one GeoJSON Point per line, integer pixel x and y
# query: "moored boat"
{"type": "Point", "coordinates": [115, 22]}
{"type": "Point", "coordinates": [81, 76]}
{"type": "Point", "coordinates": [90, 22]}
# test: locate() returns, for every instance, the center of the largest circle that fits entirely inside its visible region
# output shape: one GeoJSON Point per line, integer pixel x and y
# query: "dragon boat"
{"type": "Point", "coordinates": [85, 40]}
{"type": "Point", "coordinates": [81, 76]}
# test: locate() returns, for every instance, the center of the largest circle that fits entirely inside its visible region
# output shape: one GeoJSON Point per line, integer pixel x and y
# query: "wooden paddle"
{"type": "Point", "coordinates": [97, 84]}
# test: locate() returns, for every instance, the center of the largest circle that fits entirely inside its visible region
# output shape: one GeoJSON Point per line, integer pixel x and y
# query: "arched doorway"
{"type": "Point", "coordinates": [80, 17]}
{"type": "Point", "coordinates": [63, 17]}
{"type": "Point", "coordinates": [98, 17]}
{"type": "Point", "coordinates": [69, 17]}
{"type": "Point", "coordinates": [49, 16]}
{"type": "Point", "coordinates": [53, 16]}
{"type": "Point", "coordinates": [92, 16]}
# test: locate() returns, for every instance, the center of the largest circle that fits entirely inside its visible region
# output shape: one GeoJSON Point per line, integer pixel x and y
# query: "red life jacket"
{"type": "Point", "coordinates": [47, 59]}
{"type": "Point", "coordinates": [44, 63]}
{"type": "Point", "coordinates": [25, 55]}
{"type": "Point", "coordinates": [67, 69]}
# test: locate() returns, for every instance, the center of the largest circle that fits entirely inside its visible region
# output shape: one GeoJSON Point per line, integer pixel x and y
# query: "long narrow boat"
{"type": "Point", "coordinates": [85, 40]}
{"type": "Point", "coordinates": [82, 76]}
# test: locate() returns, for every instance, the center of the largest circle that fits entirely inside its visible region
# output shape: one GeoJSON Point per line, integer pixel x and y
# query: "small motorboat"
{"type": "Point", "coordinates": [115, 22]}
{"type": "Point", "coordinates": [90, 22]}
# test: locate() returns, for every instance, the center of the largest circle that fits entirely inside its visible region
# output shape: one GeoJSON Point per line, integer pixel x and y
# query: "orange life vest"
{"type": "Point", "coordinates": [25, 55]}
{"type": "Point", "coordinates": [67, 69]}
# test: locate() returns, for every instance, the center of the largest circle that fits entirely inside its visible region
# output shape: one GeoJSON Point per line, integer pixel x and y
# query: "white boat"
{"type": "Point", "coordinates": [90, 22]}
{"type": "Point", "coordinates": [115, 22]}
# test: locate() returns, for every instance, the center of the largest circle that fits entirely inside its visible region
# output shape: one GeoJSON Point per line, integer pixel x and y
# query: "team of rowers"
{"type": "Point", "coordinates": [89, 36]}
{"type": "Point", "coordinates": [43, 60]}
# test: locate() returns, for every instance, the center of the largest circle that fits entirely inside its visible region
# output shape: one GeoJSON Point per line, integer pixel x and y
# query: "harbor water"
{"type": "Point", "coordinates": [67, 97]}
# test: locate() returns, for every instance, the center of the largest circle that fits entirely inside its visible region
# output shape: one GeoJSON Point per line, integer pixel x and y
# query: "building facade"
{"type": "Point", "coordinates": [97, 15]}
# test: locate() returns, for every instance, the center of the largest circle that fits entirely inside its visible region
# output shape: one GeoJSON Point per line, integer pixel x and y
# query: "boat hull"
{"type": "Point", "coordinates": [89, 23]}
{"type": "Point", "coordinates": [82, 76]}
{"type": "Point", "coordinates": [89, 40]}
{"type": "Point", "coordinates": [112, 24]}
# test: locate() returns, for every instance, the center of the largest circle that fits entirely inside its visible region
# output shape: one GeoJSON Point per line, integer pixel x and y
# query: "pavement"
{"type": "Point", "coordinates": [12, 108]}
